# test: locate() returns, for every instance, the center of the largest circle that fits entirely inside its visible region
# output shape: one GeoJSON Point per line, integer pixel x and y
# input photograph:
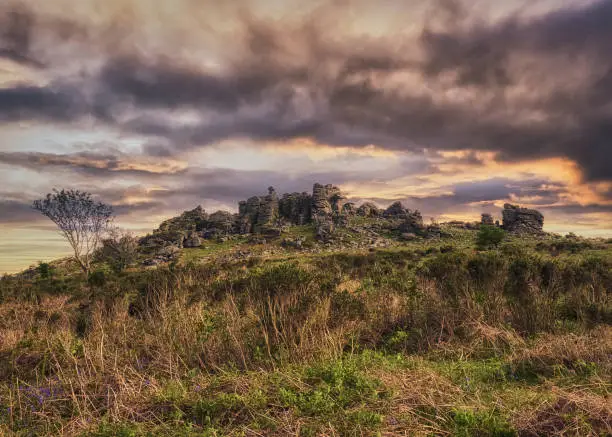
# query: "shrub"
{"type": "Point", "coordinates": [489, 236]}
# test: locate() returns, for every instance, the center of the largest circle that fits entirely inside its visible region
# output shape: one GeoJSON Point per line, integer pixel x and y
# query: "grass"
{"type": "Point", "coordinates": [414, 339]}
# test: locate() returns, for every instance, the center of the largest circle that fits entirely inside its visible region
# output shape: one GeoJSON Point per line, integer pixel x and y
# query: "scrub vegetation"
{"type": "Point", "coordinates": [464, 335]}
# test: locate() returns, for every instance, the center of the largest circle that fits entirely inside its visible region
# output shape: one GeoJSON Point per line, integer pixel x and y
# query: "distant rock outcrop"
{"type": "Point", "coordinates": [326, 208]}
{"type": "Point", "coordinates": [522, 220]}
{"type": "Point", "coordinates": [412, 221]}
{"type": "Point", "coordinates": [295, 208]}
{"type": "Point", "coordinates": [486, 219]}
{"type": "Point", "coordinates": [368, 209]}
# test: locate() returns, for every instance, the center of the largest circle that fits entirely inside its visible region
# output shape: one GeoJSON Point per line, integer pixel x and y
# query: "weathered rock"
{"type": "Point", "coordinates": [522, 220]}
{"type": "Point", "coordinates": [408, 236]}
{"type": "Point", "coordinates": [163, 255]}
{"type": "Point", "coordinates": [268, 210]}
{"type": "Point", "coordinates": [326, 199]}
{"type": "Point", "coordinates": [257, 212]}
{"type": "Point", "coordinates": [295, 208]}
{"type": "Point", "coordinates": [174, 230]}
{"type": "Point", "coordinates": [324, 226]}
{"type": "Point", "coordinates": [188, 220]}
{"type": "Point", "coordinates": [395, 210]}
{"type": "Point", "coordinates": [413, 220]}
{"type": "Point", "coordinates": [320, 200]}
{"type": "Point", "coordinates": [296, 243]}
{"type": "Point", "coordinates": [368, 209]}
{"type": "Point", "coordinates": [192, 240]}
{"type": "Point", "coordinates": [221, 222]}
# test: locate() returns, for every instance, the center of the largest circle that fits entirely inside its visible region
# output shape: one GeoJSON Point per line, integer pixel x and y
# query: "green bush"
{"type": "Point", "coordinates": [489, 236]}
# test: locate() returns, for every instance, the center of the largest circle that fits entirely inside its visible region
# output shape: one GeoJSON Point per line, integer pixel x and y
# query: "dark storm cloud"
{"type": "Point", "coordinates": [15, 36]}
{"type": "Point", "coordinates": [349, 99]}
{"type": "Point", "coordinates": [91, 163]}
{"type": "Point", "coordinates": [25, 36]}
{"type": "Point", "coordinates": [283, 81]}
{"type": "Point", "coordinates": [164, 84]}
{"type": "Point", "coordinates": [580, 120]}
{"type": "Point", "coordinates": [50, 103]}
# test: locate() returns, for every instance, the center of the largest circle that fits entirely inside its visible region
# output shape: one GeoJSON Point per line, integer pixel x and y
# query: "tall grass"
{"type": "Point", "coordinates": [68, 362]}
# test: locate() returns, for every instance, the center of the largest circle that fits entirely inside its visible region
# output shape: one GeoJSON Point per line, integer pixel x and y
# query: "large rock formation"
{"type": "Point", "coordinates": [326, 208]}
{"type": "Point", "coordinates": [219, 223]}
{"type": "Point", "coordinates": [522, 220]}
{"type": "Point", "coordinates": [412, 221]}
{"type": "Point", "coordinates": [295, 208]}
{"type": "Point", "coordinates": [258, 212]}
{"type": "Point", "coordinates": [326, 199]}
{"type": "Point", "coordinates": [174, 231]}
{"type": "Point", "coordinates": [325, 226]}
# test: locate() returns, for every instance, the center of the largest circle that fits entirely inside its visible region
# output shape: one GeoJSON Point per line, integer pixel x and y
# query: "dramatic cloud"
{"type": "Point", "coordinates": [94, 163]}
{"type": "Point", "coordinates": [490, 86]}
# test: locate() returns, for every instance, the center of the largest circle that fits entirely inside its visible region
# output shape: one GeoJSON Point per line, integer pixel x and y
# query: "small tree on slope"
{"type": "Point", "coordinates": [82, 221]}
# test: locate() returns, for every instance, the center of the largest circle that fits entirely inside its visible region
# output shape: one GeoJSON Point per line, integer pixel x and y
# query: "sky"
{"type": "Point", "coordinates": [453, 108]}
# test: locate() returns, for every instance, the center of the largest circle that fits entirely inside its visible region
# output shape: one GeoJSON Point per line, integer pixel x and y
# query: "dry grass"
{"type": "Point", "coordinates": [575, 412]}
{"type": "Point", "coordinates": [227, 340]}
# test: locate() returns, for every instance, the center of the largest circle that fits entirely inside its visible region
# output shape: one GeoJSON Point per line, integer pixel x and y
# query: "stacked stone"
{"type": "Point", "coordinates": [325, 226]}
{"type": "Point", "coordinates": [486, 219]}
{"type": "Point", "coordinates": [320, 200]}
{"type": "Point", "coordinates": [257, 212]}
{"type": "Point", "coordinates": [267, 215]}
{"type": "Point", "coordinates": [295, 208]}
{"type": "Point", "coordinates": [522, 220]}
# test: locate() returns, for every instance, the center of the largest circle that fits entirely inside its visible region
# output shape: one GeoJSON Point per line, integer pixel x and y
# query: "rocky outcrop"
{"type": "Point", "coordinates": [413, 222]}
{"type": "Point", "coordinates": [486, 219]}
{"type": "Point", "coordinates": [349, 208]}
{"type": "Point", "coordinates": [325, 226]}
{"type": "Point", "coordinates": [219, 223]}
{"type": "Point", "coordinates": [295, 208]}
{"type": "Point", "coordinates": [267, 216]}
{"type": "Point", "coordinates": [368, 209]}
{"type": "Point", "coordinates": [192, 240]}
{"type": "Point", "coordinates": [174, 231]}
{"type": "Point", "coordinates": [522, 220]}
{"type": "Point", "coordinates": [258, 212]}
{"type": "Point", "coordinates": [326, 199]}
{"type": "Point", "coordinates": [188, 220]}
{"type": "Point", "coordinates": [268, 210]}
{"type": "Point", "coordinates": [395, 210]}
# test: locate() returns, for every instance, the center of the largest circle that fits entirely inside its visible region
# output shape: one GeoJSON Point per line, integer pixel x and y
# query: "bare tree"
{"type": "Point", "coordinates": [80, 220]}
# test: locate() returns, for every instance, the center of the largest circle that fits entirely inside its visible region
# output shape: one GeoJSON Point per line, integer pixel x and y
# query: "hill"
{"type": "Point", "coordinates": [354, 322]}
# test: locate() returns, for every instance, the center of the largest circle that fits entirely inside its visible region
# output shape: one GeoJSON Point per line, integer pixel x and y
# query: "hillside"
{"type": "Point", "coordinates": [367, 329]}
